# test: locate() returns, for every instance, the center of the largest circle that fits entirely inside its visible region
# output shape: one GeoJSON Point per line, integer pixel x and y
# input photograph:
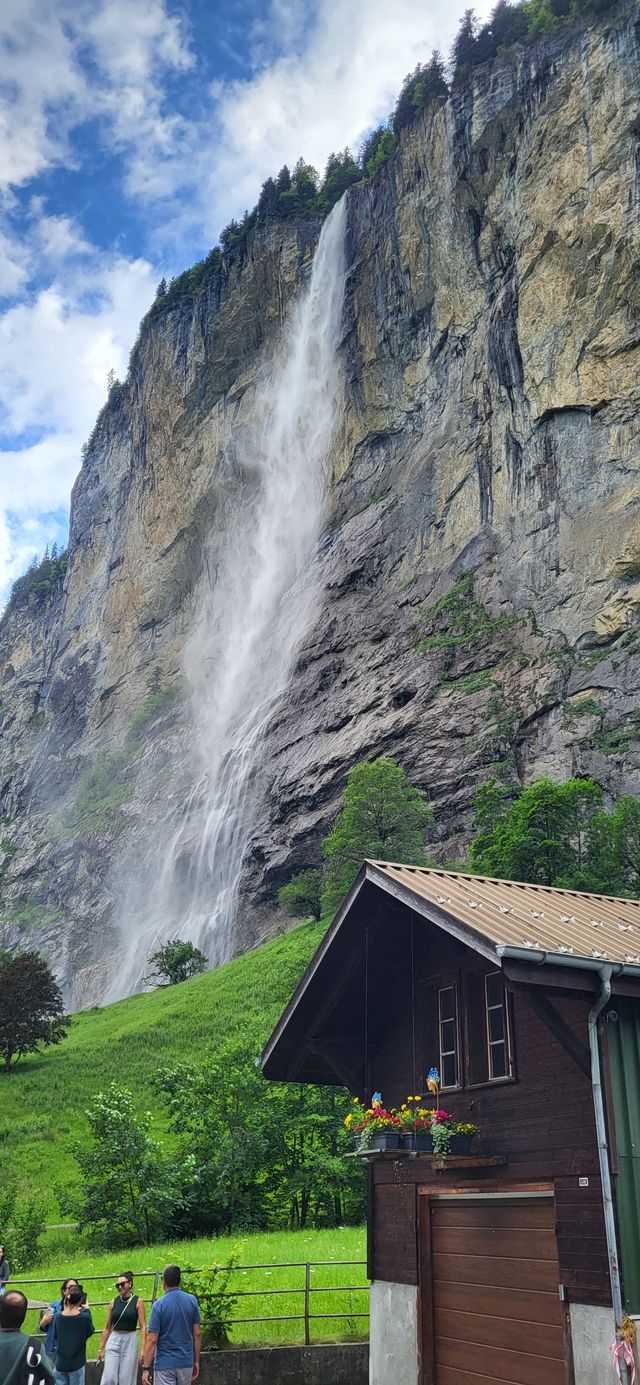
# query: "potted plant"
{"type": "Point", "coordinates": [451, 1136]}
{"type": "Point", "coordinates": [416, 1124]}
{"type": "Point", "coordinates": [373, 1127]}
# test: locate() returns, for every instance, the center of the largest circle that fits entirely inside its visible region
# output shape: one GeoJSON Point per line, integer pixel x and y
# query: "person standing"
{"type": "Point", "coordinates": [5, 1270]}
{"type": "Point", "coordinates": [17, 1348]}
{"type": "Point", "coordinates": [174, 1335]}
{"type": "Point", "coordinates": [71, 1331]}
{"type": "Point", "coordinates": [119, 1342]}
{"type": "Point", "coordinates": [47, 1319]}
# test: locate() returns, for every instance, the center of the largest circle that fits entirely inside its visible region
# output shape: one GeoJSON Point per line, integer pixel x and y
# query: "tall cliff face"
{"type": "Point", "coordinates": [481, 562]}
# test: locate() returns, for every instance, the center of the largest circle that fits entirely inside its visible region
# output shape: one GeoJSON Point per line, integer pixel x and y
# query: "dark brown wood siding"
{"type": "Point", "coordinates": [542, 1122]}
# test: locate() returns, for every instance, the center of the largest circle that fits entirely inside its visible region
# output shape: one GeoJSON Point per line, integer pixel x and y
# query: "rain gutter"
{"type": "Point", "coordinates": [605, 970]}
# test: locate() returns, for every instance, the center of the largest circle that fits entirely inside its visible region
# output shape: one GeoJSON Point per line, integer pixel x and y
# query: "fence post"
{"type": "Point", "coordinates": [156, 1280]}
{"type": "Point", "coordinates": [307, 1288]}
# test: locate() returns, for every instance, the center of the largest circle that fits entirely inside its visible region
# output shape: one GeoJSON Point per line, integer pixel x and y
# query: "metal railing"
{"type": "Point", "coordinates": [305, 1290]}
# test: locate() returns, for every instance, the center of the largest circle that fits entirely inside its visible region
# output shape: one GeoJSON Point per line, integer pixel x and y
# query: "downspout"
{"type": "Point", "coordinates": [605, 970]}
{"type": "Point", "coordinates": [603, 1156]}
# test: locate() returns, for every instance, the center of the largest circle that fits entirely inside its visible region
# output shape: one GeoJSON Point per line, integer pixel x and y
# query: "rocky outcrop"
{"type": "Point", "coordinates": [481, 563]}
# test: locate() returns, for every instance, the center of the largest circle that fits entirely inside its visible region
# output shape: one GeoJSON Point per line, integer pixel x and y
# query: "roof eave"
{"type": "Point", "coordinates": [541, 957]}
{"type": "Point", "coordinates": [310, 971]}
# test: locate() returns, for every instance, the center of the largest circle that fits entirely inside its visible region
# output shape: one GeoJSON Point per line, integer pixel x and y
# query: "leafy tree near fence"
{"type": "Point", "coordinates": [131, 1193]}
{"type": "Point", "coordinates": [266, 1154]}
{"type": "Point", "coordinates": [210, 1285]}
{"type": "Point", "coordinates": [31, 1007]}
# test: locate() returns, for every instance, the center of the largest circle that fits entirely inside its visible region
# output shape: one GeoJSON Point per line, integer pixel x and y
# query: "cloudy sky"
{"type": "Point", "coordinates": [130, 132]}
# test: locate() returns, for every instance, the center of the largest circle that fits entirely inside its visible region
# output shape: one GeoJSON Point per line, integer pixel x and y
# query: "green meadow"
{"type": "Point", "coordinates": [274, 1250]}
{"type": "Point", "coordinates": [43, 1100]}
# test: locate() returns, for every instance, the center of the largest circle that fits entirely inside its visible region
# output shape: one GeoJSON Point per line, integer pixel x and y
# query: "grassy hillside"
{"type": "Point", "coordinates": [42, 1101]}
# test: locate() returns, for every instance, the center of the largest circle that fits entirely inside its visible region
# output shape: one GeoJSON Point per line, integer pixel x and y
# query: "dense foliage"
{"type": "Point", "coordinates": [216, 1300]}
{"type": "Point", "coordinates": [266, 1154]}
{"type": "Point", "coordinates": [509, 24]}
{"type": "Point", "coordinates": [301, 897]}
{"type": "Point", "coordinates": [176, 961]}
{"type": "Point", "coordinates": [41, 578]}
{"type": "Point", "coordinates": [384, 817]}
{"type": "Point", "coordinates": [23, 1224]}
{"type": "Point", "coordinates": [31, 1009]}
{"type": "Point", "coordinates": [558, 834]}
{"type": "Point", "coordinates": [131, 1192]}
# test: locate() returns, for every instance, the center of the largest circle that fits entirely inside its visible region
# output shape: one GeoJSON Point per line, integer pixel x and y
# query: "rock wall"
{"type": "Point", "coordinates": [481, 563]}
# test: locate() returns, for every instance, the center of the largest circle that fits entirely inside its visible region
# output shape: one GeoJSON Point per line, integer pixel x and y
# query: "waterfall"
{"type": "Point", "coordinates": [257, 605]}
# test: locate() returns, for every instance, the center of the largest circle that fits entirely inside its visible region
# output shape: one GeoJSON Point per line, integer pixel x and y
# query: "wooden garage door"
{"type": "Point", "coordinates": [495, 1317]}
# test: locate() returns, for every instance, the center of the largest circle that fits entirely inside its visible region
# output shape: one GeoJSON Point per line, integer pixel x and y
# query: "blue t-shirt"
{"type": "Point", "coordinates": [173, 1317]}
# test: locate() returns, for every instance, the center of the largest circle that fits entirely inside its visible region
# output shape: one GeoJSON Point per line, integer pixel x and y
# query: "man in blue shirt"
{"type": "Point", "coordinates": [174, 1335]}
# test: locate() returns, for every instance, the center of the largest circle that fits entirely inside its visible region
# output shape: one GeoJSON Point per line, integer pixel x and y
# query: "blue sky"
{"type": "Point", "coordinates": [130, 132]}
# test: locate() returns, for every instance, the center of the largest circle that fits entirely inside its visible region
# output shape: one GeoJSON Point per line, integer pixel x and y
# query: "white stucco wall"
{"type": "Point", "coordinates": [592, 1332]}
{"type": "Point", "coordinates": [393, 1334]}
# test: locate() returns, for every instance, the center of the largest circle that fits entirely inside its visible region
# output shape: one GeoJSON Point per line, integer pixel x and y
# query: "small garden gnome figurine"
{"type": "Point", "coordinates": [433, 1081]}
{"type": "Point", "coordinates": [376, 1099]}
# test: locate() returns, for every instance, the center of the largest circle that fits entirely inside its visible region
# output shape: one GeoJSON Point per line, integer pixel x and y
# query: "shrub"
{"type": "Point", "coordinates": [211, 1288]}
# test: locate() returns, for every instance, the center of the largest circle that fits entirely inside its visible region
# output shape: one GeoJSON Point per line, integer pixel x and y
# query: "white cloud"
{"type": "Point", "coordinates": [322, 73]}
{"type": "Point", "coordinates": [55, 355]}
{"type": "Point", "coordinates": [337, 77]}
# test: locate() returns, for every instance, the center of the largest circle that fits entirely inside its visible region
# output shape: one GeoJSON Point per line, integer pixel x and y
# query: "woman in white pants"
{"type": "Point", "coordinates": [119, 1342]}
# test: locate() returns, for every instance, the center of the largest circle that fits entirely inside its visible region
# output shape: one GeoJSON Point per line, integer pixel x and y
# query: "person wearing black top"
{"type": "Point", "coordinates": [119, 1341]}
{"type": "Point", "coordinates": [5, 1270]}
{"type": "Point", "coordinates": [72, 1329]}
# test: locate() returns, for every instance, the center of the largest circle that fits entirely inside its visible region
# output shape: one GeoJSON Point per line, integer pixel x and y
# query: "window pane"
{"type": "Point", "coordinates": [494, 989]}
{"type": "Point", "coordinates": [498, 1060]}
{"type": "Point", "coordinates": [446, 1004]}
{"type": "Point", "coordinates": [448, 1036]}
{"type": "Point", "coordinates": [496, 1025]}
{"type": "Point", "coordinates": [449, 1074]}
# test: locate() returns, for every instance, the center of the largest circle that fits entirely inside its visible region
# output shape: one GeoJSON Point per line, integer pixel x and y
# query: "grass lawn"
{"type": "Point", "coordinates": [97, 1272]}
{"type": "Point", "coordinates": [43, 1100]}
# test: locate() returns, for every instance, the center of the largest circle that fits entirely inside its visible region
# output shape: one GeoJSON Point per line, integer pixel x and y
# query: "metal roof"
{"type": "Point", "coordinates": [535, 917]}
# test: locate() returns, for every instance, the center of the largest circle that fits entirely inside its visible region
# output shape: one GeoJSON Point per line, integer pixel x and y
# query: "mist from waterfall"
{"type": "Point", "coordinates": [257, 604]}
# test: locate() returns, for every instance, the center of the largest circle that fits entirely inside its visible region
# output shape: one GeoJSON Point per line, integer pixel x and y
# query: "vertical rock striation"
{"type": "Point", "coordinates": [481, 566]}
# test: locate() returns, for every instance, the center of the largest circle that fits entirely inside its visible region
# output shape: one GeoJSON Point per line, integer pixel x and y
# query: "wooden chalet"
{"type": "Point", "coordinates": [513, 1265]}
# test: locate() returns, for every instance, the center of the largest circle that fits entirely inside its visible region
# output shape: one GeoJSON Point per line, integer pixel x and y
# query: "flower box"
{"type": "Point", "coordinates": [422, 1140]}
{"type": "Point", "coordinates": [384, 1139]}
{"type": "Point", "coordinates": [461, 1144]}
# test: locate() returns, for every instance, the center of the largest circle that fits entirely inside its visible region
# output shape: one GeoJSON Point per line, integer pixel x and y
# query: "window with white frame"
{"type": "Point", "coordinates": [497, 1027]}
{"type": "Point", "coordinates": [448, 1034]}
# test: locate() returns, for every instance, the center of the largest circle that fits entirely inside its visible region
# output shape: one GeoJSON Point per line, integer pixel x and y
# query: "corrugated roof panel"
{"type": "Point", "coordinates": [598, 927]}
